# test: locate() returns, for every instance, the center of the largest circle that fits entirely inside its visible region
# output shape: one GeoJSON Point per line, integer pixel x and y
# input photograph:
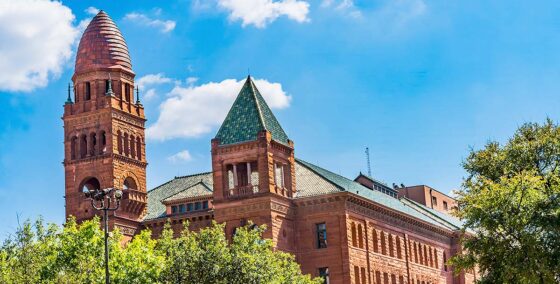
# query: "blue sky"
{"type": "Point", "coordinates": [418, 81]}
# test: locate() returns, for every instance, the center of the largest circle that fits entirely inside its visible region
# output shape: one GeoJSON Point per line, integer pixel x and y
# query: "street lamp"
{"type": "Point", "coordinates": [101, 200]}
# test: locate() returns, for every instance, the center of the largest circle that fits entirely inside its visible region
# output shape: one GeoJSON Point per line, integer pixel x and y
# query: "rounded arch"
{"type": "Point", "coordinates": [130, 182]}
{"type": "Point", "coordinates": [89, 184]}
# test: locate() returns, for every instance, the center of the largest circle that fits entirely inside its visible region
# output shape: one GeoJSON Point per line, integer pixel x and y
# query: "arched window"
{"type": "Point", "coordinates": [420, 254]}
{"type": "Point", "coordinates": [391, 246]}
{"type": "Point", "coordinates": [375, 241]}
{"type": "Point", "coordinates": [83, 146]}
{"type": "Point", "coordinates": [129, 183]}
{"type": "Point", "coordinates": [138, 148]}
{"type": "Point", "coordinates": [126, 148]}
{"type": "Point", "coordinates": [444, 261]}
{"type": "Point", "coordinates": [103, 142]}
{"type": "Point", "coordinates": [360, 236]}
{"type": "Point", "coordinates": [133, 146]}
{"type": "Point", "coordinates": [119, 142]}
{"type": "Point", "coordinates": [399, 254]}
{"type": "Point", "coordinates": [93, 144]}
{"type": "Point", "coordinates": [127, 92]}
{"type": "Point", "coordinates": [73, 147]}
{"type": "Point", "coordinates": [431, 257]}
{"type": "Point", "coordinates": [383, 246]}
{"type": "Point", "coordinates": [415, 252]}
{"type": "Point", "coordinates": [88, 91]}
{"type": "Point", "coordinates": [90, 184]}
{"type": "Point", "coordinates": [426, 255]}
{"type": "Point", "coordinates": [354, 241]}
{"type": "Point", "coordinates": [436, 258]}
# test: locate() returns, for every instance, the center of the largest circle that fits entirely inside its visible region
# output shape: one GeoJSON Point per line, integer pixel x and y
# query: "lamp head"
{"type": "Point", "coordinates": [118, 194]}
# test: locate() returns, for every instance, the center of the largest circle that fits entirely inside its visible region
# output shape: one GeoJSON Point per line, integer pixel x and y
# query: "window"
{"type": "Point", "coordinates": [205, 205]}
{"type": "Point", "coordinates": [127, 92]}
{"type": "Point", "coordinates": [324, 273]}
{"type": "Point", "coordinates": [182, 208]}
{"type": "Point", "coordinates": [138, 148]}
{"type": "Point", "coordinates": [129, 183]}
{"type": "Point", "coordinates": [107, 82]}
{"type": "Point", "coordinates": [393, 279]}
{"type": "Point", "coordinates": [386, 278]}
{"type": "Point", "coordinates": [197, 206]}
{"type": "Point", "coordinates": [377, 277]}
{"type": "Point", "coordinates": [321, 235]}
{"type": "Point", "coordinates": [436, 258]}
{"type": "Point", "coordinates": [356, 275]}
{"type": "Point", "coordinates": [401, 279]}
{"type": "Point", "coordinates": [434, 201]}
{"type": "Point", "coordinates": [190, 207]}
{"type": "Point", "coordinates": [445, 205]}
{"type": "Point", "coordinates": [444, 261]}
{"type": "Point", "coordinates": [360, 236]}
{"type": "Point", "coordinates": [375, 244]}
{"type": "Point", "coordinates": [391, 253]}
{"type": "Point", "coordinates": [173, 209]}
{"type": "Point", "coordinates": [363, 270]}
{"type": "Point", "coordinates": [383, 246]}
{"type": "Point", "coordinates": [399, 254]}
{"type": "Point", "coordinates": [354, 241]}
{"type": "Point", "coordinates": [73, 147]}
{"type": "Point", "coordinates": [88, 91]}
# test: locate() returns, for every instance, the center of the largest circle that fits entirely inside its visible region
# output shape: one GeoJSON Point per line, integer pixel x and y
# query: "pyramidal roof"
{"type": "Point", "coordinates": [248, 116]}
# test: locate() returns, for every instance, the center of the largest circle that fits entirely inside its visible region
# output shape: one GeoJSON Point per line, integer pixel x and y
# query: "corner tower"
{"type": "Point", "coordinates": [253, 169]}
{"type": "Point", "coordinates": [104, 127]}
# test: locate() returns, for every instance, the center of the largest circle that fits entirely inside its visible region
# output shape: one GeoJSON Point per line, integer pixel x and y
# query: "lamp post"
{"type": "Point", "coordinates": [101, 200]}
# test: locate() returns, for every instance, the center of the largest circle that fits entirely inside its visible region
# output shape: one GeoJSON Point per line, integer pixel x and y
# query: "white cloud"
{"type": "Point", "coordinates": [36, 40]}
{"type": "Point", "coordinates": [92, 11]}
{"type": "Point", "coordinates": [148, 82]}
{"type": "Point", "coordinates": [164, 26]}
{"type": "Point", "coordinates": [152, 79]}
{"type": "Point", "coordinates": [262, 12]}
{"type": "Point", "coordinates": [183, 156]}
{"type": "Point", "coordinates": [346, 6]}
{"type": "Point", "coordinates": [191, 111]}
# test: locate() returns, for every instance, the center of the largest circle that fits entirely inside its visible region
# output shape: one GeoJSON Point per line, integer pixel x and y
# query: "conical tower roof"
{"type": "Point", "coordinates": [248, 116]}
{"type": "Point", "coordinates": [102, 46]}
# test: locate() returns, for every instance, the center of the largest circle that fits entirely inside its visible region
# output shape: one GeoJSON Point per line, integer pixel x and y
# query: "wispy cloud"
{"type": "Point", "coordinates": [148, 83]}
{"type": "Point", "coordinates": [183, 156]}
{"type": "Point", "coordinates": [194, 110]}
{"type": "Point", "coordinates": [91, 10]}
{"type": "Point", "coordinates": [163, 26]}
{"type": "Point", "coordinates": [262, 12]}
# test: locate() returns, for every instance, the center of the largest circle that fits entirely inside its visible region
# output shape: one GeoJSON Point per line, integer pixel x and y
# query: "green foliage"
{"type": "Point", "coordinates": [74, 254]}
{"type": "Point", "coordinates": [511, 201]}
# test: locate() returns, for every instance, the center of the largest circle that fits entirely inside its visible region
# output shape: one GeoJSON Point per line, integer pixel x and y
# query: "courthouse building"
{"type": "Point", "coordinates": [348, 231]}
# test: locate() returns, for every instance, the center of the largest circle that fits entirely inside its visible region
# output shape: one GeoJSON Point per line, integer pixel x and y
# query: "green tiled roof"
{"type": "Point", "coordinates": [198, 189]}
{"type": "Point", "coordinates": [311, 180]}
{"type": "Point", "coordinates": [248, 116]}
{"type": "Point", "coordinates": [345, 184]}
{"type": "Point", "coordinates": [156, 209]}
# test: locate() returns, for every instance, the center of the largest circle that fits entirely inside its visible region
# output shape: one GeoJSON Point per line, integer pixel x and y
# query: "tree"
{"type": "Point", "coordinates": [74, 254]}
{"type": "Point", "coordinates": [510, 203]}
{"type": "Point", "coordinates": [206, 257]}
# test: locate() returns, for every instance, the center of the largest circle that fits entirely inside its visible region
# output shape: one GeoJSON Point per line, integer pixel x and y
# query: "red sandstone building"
{"type": "Point", "coordinates": [346, 231]}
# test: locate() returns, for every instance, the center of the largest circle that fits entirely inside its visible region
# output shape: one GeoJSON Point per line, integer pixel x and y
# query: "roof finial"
{"type": "Point", "coordinates": [138, 96]}
{"type": "Point", "coordinates": [110, 88]}
{"type": "Point", "coordinates": [69, 100]}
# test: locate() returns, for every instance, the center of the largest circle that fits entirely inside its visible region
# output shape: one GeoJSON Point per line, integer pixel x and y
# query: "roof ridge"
{"type": "Point", "coordinates": [177, 177]}
{"type": "Point", "coordinates": [254, 90]}
{"type": "Point", "coordinates": [426, 209]}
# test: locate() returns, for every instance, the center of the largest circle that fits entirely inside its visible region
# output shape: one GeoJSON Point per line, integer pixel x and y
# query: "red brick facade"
{"type": "Point", "coordinates": [356, 239]}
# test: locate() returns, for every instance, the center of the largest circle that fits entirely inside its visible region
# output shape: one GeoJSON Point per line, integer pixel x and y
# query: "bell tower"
{"type": "Point", "coordinates": [253, 169]}
{"type": "Point", "coordinates": [104, 127]}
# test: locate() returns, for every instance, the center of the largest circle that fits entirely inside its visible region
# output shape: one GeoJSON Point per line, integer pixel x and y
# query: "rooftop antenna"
{"type": "Point", "coordinates": [368, 162]}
